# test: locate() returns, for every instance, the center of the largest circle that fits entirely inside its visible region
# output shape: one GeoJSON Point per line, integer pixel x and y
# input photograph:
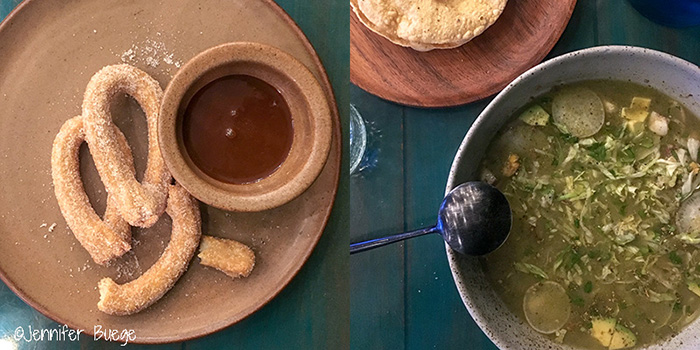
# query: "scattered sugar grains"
{"type": "Point", "coordinates": [150, 52]}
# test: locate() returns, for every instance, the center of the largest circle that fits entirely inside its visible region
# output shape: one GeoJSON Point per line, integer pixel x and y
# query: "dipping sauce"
{"type": "Point", "coordinates": [237, 129]}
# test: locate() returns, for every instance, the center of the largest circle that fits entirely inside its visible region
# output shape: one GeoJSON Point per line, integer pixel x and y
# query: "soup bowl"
{"type": "Point", "coordinates": [670, 75]}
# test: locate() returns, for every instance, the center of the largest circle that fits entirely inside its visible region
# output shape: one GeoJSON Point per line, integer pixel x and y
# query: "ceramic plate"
{"type": "Point", "coordinates": [48, 52]}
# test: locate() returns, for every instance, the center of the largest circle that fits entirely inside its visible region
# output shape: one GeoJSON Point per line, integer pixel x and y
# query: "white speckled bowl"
{"type": "Point", "coordinates": [668, 74]}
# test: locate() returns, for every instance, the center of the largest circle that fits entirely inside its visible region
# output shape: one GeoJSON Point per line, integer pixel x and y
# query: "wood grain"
{"type": "Point", "coordinates": [523, 35]}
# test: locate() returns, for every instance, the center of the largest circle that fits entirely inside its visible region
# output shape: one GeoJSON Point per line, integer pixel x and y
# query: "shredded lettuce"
{"type": "Point", "coordinates": [618, 188]}
{"type": "Point", "coordinates": [529, 268]}
{"type": "Point", "coordinates": [655, 297]}
{"type": "Point", "coordinates": [690, 238]}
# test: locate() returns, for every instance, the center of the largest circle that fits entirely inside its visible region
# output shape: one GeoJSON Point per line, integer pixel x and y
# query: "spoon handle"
{"type": "Point", "coordinates": [374, 243]}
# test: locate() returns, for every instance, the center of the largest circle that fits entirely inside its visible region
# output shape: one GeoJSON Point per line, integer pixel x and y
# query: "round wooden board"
{"type": "Point", "coordinates": [48, 52]}
{"type": "Point", "coordinates": [523, 35]}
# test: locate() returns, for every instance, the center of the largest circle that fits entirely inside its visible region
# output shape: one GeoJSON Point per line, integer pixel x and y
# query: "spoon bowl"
{"type": "Point", "coordinates": [474, 218]}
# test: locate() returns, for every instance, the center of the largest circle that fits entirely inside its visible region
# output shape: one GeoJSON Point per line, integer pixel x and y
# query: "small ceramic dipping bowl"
{"type": "Point", "coordinates": [310, 120]}
{"type": "Point", "coordinates": [668, 74]}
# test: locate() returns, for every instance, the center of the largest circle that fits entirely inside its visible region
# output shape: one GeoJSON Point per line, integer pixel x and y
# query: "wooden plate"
{"type": "Point", "coordinates": [48, 52]}
{"type": "Point", "coordinates": [523, 35]}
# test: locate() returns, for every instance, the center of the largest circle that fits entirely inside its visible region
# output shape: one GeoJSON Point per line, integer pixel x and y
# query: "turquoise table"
{"type": "Point", "coordinates": [402, 296]}
{"type": "Point", "coordinates": [312, 311]}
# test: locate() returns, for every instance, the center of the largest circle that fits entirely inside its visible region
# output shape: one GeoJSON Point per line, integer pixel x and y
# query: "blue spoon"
{"type": "Point", "coordinates": [474, 219]}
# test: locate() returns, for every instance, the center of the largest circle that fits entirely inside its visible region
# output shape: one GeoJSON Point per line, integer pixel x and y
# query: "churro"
{"type": "Point", "coordinates": [139, 204]}
{"type": "Point", "coordinates": [226, 255]}
{"type": "Point", "coordinates": [103, 239]}
{"type": "Point", "coordinates": [134, 296]}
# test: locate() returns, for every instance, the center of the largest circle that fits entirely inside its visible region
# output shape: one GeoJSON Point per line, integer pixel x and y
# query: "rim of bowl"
{"type": "Point", "coordinates": [493, 334]}
{"type": "Point", "coordinates": [285, 183]}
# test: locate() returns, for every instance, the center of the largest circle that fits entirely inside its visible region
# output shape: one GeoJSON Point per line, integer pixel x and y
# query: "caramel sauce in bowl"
{"type": "Point", "coordinates": [244, 127]}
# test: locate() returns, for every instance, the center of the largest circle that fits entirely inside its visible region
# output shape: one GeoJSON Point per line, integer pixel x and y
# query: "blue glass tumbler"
{"type": "Point", "coordinates": [671, 13]}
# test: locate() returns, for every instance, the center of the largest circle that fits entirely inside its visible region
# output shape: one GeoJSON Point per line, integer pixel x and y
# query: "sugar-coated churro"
{"type": "Point", "coordinates": [138, 294]}
{"type": "Point", "coordinates": [226, 255]}
{"type": "Point", "coordinates": [104, 239]}
{"type": "Point", "coordinates": [139, 204]}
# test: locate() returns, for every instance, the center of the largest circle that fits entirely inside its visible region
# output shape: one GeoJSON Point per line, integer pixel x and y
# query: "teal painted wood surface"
{"type": "Point", "coordinates": [376, 281]}
{"type": "Point", "coordinates": [403, 297]}
{"type": "Point", "coordinates": [312, 311]}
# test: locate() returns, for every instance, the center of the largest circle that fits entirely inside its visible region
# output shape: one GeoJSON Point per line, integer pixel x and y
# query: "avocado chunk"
{"type": "Point", "coordinates": [640, 103]}
{"type": "Point", "coordinates": [535, 116]}
{"type": "Point", "coordinates": [635, 127]}
{"type": "Point", "coordinates": [638, 111]}
{"type": "Point", "coordinates": [635, 115]}
{"type": "Point", "coordinates": [603, 330]}
{"type": "Point", "coordinates": [694, 287]}
{"type": "Point", "coordinates": [611, 334]}
{"type": "Point", "coordinates": [623, 338]}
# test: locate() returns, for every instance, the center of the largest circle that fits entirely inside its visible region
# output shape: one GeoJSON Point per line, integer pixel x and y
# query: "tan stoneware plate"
{"type": "Point", "coordinates": [310, 116]}
{"type": "Point", "coordinates": [48, 52]}
{"type": "Point", "coordinates": [520, 38]}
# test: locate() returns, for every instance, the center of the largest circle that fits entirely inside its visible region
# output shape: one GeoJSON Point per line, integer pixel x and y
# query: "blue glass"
{"type": "Point", "coordinates": [672, 13]}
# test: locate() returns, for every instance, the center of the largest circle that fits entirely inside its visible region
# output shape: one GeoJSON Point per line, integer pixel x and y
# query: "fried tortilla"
{"type": "Point", "coordinates": [428, 24]}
